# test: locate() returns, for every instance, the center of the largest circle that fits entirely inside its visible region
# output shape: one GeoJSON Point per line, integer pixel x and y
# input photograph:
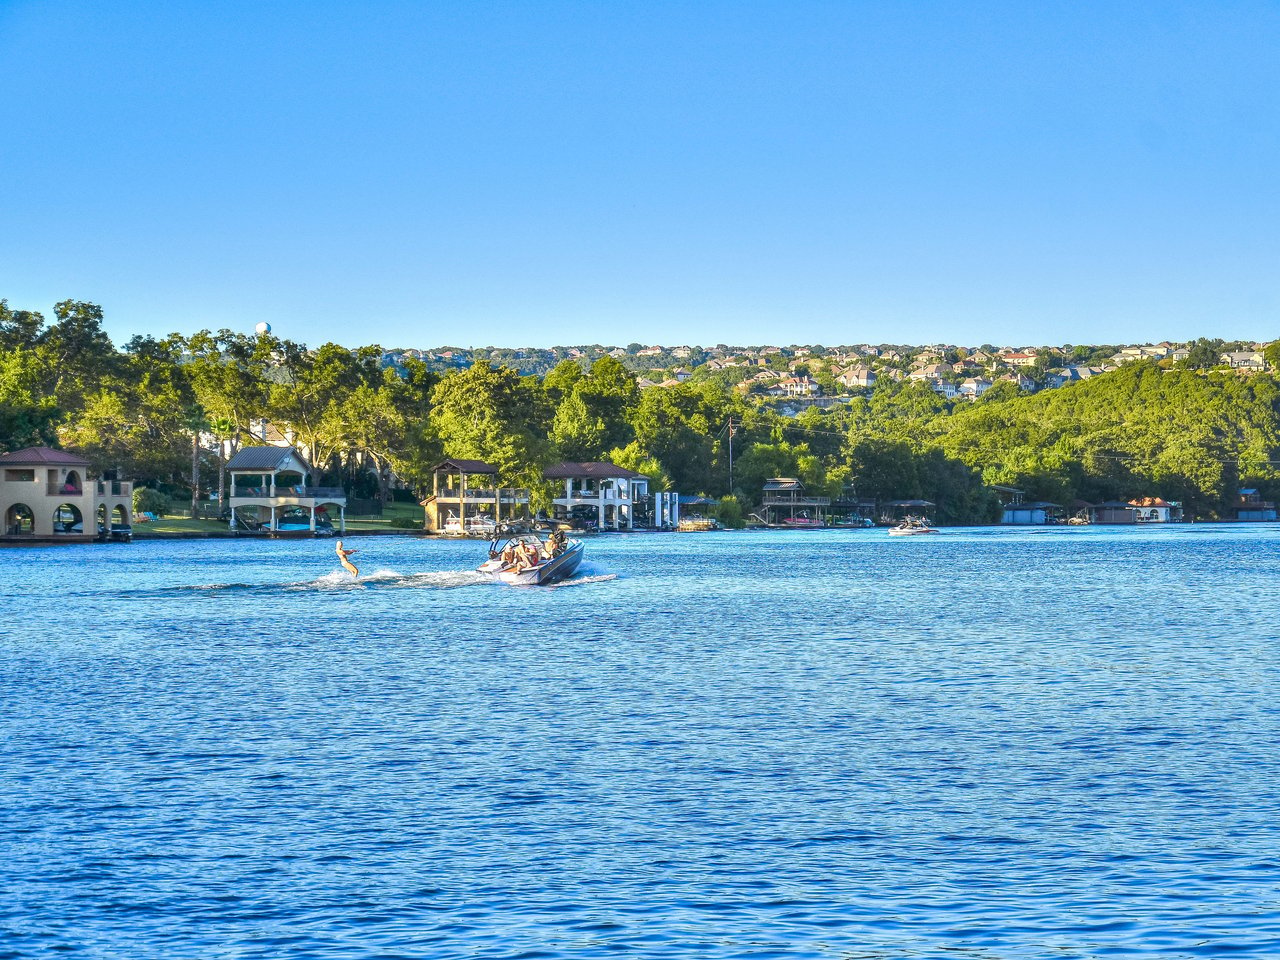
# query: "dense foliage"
{"type": "Point", "coordinates": [168, 412]}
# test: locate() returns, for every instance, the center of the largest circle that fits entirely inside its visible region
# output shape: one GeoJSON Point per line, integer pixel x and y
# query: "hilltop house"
{"type": "Point", "coordinates": [271, 490]}
{"type": "Point", "coordinates": [859, 376]}
{"type": "Point", "coordinates": [1246, 361]}
{"type": "Point", "coordinates": [974, 387]}
{"type": "Point", "coordinates": [46, 494]}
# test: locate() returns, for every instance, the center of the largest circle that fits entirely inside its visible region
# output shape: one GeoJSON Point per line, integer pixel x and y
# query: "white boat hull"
{"type": "Point", "coordinates": [560, 567]}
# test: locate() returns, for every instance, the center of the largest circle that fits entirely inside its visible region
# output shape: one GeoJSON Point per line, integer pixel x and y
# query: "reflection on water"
{"type": "Point", "coordinates": [989, 743]}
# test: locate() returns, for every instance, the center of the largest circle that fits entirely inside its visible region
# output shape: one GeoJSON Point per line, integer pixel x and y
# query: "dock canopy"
{"type": "Point", "coordinates": [599, 470]}
{"type": "Point", "coordinates": [469, 467]}
{"type": "Point", "coordinates": [268, 458]}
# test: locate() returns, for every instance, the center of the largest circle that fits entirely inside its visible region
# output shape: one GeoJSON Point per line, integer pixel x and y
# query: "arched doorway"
{"type": "Point", "coordinates": [119, 517]}
{"type": "Point", "coordinates": [102, 518]}
{"type": "Point", "coordinates": [68, 519]}
{"type": "Point", "coordinates": [19, 520]}
{"type": "Point", "coordinates": [72, 484]}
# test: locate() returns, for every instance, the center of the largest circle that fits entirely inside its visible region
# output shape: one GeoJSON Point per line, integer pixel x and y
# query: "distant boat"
{"type": "Point", "coordinates": [801, 522]}
{"type": "Point", "coordinates": [910, 527]}
{"type": "Point", "coordinates": [549, 569]}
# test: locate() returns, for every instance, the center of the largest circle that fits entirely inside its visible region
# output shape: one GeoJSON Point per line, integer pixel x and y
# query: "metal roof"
{"type": "Point", "coordinates": [783, 483]}
{"type": "Point", "coordinates": [593, 471]}
{"type": "Point", "coordinates": [265, 458]}
{"type": "Point", "coordinates": [455, 465]}
{"type": "Point", "coordinates": [32, 456]}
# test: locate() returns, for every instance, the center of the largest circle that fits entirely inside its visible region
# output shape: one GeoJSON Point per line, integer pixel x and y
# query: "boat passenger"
{"type": "Point", "coordinates": [526, 556]}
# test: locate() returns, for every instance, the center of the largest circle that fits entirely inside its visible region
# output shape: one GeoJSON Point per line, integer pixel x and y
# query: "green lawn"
{"type": "Point", "coordinates": [171, 524]}
{"type": "Point", "coordinates": [390, 513]}
{"type": "Point", "coordinates": [181, 525]}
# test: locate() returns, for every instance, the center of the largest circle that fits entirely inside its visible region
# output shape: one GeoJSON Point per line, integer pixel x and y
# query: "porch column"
{"type": "Point", "coordinates": [600, 509]}
{"type": "Point", "coordinates": [342, 518]}
{"type": "Point", "coordinates": [313, 518]}
{"type": "Point", "coordinates": [273, 483]}
{"type": "Point", "coordinates": [462, 504]}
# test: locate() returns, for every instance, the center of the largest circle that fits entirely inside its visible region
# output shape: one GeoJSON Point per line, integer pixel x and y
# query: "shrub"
{"type": "Point", "coordinates": [406, 523]}
{"type": "Point", "coordinates": [150, 500]}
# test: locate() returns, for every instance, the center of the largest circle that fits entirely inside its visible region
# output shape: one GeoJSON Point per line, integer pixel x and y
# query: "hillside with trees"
{"type": "Point", "coordinates": [168, 412]}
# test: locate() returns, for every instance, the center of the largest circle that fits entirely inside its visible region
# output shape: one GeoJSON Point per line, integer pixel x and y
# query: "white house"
{"type": "Point", "coordinates": [858, 376]}
{"type": "Point", "coordinates": [46, 494]}
{"type": "Point", "coordinates": [271, 489]}
{"type": "Point", "coordinates": [1245, 360]}
{"type": "Point", "coordinates": [612, 493]}
{"type": "Point", "coordinates": [944, 387]}
{"type": "Point", "coordinates": [974, 387]}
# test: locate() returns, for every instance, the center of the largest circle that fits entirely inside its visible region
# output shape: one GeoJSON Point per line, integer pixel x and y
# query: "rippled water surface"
{"type": "Point", "coordinates": [984, 744]}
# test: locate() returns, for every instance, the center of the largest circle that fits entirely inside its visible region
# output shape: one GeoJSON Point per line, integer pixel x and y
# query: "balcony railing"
{"type": "Point", "coordinates": [289, 493]}
{"type": "Point", "coordinates": [65, 490]}
{"type": "Point", "coordinates": [115, 488]}
{"type": "Point", "coordinates": [508, 494]}
{"type": "Point", "coordinates": [772, 500]}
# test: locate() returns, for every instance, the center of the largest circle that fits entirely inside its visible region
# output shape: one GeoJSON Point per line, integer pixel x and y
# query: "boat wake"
{"type": "Point", "coordinates": [338, 581]}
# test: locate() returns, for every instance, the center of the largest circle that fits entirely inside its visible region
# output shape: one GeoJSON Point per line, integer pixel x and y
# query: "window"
{"type": "Point", "coordinates": [20, 476]}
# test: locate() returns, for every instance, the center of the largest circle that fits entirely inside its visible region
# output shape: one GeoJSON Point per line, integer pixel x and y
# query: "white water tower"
{"type": "Point", "coordinates": [263, 328]}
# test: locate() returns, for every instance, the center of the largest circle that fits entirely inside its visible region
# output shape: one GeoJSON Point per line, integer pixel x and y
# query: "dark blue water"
{"type": "Point", "coordinates": [983, 744]}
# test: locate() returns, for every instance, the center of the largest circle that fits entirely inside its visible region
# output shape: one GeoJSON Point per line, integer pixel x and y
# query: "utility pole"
{"type": "Point", "coordinates": [731, 455]}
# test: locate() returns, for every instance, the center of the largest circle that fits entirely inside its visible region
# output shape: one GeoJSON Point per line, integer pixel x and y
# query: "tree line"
{"type": "Point", "coordinates": [165, 411]}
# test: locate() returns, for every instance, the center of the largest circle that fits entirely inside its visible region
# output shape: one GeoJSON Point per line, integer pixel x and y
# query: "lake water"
{"type": "Point", "coordinates": [989, 743]}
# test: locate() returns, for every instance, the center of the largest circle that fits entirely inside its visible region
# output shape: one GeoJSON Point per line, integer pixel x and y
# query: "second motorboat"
{"type": "Point", "coordinates": [911, 526]}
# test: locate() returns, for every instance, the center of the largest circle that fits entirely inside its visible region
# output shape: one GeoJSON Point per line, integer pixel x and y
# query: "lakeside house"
{"type": "Point", "coordinates": [46, 494]}
{"type": "Point", "coordinates": [1156, 510]}
{"type": "Point", "coordinates": [610, 497]}
{"type": "Point", "coordinates": [466, 497]}
{"type": "Point", "coordinates": [1015, 512]}
{"type": "Point", "coordinates": [1251, 507]}
{"type": "Point", "coordinates": [1113, 512]}
{"type": "Point", "coordinates": [271, 490]}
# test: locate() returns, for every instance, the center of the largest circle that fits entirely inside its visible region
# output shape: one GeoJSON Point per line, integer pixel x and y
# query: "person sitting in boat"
{"type": "Point", "coordinates": [527, 557]}
{"type": "Point", "coordinates": [508, 555]}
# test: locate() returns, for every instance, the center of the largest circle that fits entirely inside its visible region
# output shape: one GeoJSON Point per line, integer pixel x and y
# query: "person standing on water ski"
{"type": "Point", "coordinates": [342, 559]}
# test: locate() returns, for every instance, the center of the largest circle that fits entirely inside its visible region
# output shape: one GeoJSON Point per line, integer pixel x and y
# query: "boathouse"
{"type": "Point", "coordinates": [467, 498]}
{"type": "Point", "coordinates": [271, 491]}
{"type": "Point", "coordinates": [785, 499]}
{"type": "Point", "coordinates": [45, 494]}
{"type": "Point", "coordinates": [1113, 512]}
{"type": "Point", "coordinates": [1156, 510]}
{"type": "Point", "coordinates": [604, 496]}
{"type": "Point", "coordinates": [1251, 506]}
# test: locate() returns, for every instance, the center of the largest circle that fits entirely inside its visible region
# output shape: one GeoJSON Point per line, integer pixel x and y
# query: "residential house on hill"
{"type": "Point", "coordinates": [1245, 361]}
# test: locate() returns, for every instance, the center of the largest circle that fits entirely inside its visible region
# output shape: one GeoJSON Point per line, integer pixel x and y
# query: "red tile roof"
{"type": "Point", "coordinates": [33, 456]}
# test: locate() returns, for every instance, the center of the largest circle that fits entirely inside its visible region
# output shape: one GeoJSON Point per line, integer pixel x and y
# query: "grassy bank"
{"type": "Point", "coordinates": [396, 518]}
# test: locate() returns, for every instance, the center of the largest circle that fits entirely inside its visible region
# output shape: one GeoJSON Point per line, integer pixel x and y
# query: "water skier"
{"type": "Point", "coordinates": [342, 559]}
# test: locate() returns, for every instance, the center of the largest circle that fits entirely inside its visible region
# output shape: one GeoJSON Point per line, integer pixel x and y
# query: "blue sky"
{"type": "Point", "coordinates": [414, 174]}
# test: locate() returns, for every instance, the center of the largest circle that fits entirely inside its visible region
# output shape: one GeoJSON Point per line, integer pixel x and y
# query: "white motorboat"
{"type": "Point", "coordinates": [551, 564]}
{"type": "Point", "coordinates": [911, 527]}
